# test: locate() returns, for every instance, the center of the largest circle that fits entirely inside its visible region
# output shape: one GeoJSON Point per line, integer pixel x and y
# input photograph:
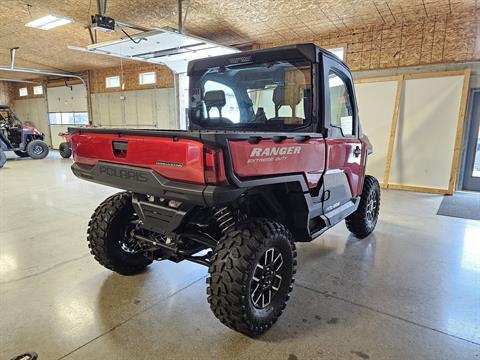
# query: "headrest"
{"type": "Point", "coordinates": [214, 98]}
{"type": "Point", "coordinates": [289, 95]}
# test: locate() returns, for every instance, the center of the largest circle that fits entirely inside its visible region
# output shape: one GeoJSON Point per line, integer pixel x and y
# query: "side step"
{"type": "Point", "coordinates": [333, 217]}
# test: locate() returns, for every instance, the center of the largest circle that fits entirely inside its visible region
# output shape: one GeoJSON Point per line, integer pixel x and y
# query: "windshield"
{"type": "Point", "coordinates": [270, 96]}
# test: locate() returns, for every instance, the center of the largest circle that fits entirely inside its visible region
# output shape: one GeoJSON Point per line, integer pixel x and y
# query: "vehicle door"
{"type": "Point", "coordinates": [345, 153]}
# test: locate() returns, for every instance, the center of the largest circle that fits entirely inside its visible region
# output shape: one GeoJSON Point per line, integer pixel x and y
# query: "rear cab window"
{"type": "Point", "coordinates": [266, 96]}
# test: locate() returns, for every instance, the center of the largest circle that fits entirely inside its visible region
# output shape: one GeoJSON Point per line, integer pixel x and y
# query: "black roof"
{"type": "Point", "coordinates": [308, 51]}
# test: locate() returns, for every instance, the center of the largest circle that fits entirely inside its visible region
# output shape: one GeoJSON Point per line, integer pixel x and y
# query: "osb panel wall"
{"type": "Point", "coordinates": [16, 91]}
{"type": "Point", "coordinates": [130, 74]}
{"type": "Point", "coordinates": [431, 40]}
{"type": "Point", "coordinates": [236, 23]}
{"type": "Point", "coordinates": [6, 93]}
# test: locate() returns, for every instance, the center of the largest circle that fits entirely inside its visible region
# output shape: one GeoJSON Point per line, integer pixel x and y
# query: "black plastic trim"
{"type": "Point", "coordinates": [146, 181]}
{"type": "Point", "coordinates": [306, 51]}
{"type": "Point", "coordinates": [175, 134]}
{"type": "Point", "coordinates": [159, 218]}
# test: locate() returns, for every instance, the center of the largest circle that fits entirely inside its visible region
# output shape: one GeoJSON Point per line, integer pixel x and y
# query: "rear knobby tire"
{"type": "Point", "coordinates": [362, 222]}
{"type": "Point", "coordinates": [108, 229]}
{"type": "Point", "coordinates": [37, 149]}
{"type": "Point", "coordinates": [65, 150]}
{"type": "Point", "coordinates": [235, 268]}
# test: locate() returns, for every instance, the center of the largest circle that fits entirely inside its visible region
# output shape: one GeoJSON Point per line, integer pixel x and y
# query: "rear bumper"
{"type": "Point", "coordinates": [148, 182]}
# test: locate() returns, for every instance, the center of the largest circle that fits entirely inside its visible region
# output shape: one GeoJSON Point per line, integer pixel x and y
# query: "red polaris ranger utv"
{"type": "Point", "coordinates": [274, 155]}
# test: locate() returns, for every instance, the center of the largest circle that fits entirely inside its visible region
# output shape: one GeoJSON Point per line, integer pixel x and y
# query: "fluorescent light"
{"type": "Point", "coordinates": [41, 22]}
{"type": "Point", "coordinates": [48, 22]}
{"type": "Point", "coordinates": [54, 24]}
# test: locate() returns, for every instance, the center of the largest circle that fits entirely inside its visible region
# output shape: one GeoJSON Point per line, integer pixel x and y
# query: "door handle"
{"type": "Point", "coordinates": [357, 152]}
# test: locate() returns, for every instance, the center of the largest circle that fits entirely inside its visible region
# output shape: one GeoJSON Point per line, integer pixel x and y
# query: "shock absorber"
{"type": "Point", "coordinates": [224, 218]}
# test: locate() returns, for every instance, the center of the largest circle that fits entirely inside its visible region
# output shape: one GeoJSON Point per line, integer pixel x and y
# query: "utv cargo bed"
{"type": "Point", "coordinates": [154, 162]}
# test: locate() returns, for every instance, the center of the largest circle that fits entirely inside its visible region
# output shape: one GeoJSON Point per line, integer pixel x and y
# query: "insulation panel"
{"type": "Point", "coordinates": [152, 108]}
{"type": "Point", "coordinates": [425, 138]}
{"type": "Point", "coordinates": [376, 104]}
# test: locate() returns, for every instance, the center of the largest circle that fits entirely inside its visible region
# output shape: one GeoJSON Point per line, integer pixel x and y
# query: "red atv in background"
{"type": "Point", "coordinates": [24, 140]}
{"type": "Point", "coordinates": [274, 155]}
{"type": "Point", "coordinates": [65, 148]}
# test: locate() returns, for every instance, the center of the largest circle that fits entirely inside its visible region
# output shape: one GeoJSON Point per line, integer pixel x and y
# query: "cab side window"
{"type": "Point", "coordinates": [341, 109]}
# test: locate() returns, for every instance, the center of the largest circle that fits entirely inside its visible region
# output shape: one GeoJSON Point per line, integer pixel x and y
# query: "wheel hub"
{"type": "Point", "coordinates": [128, 241]}
{"type": "Point", "coordinates": [266, 279]}
{"type": "Point", "coordinates": [371, 207]}
{"type": "Point", "coordinates": [37, 149]}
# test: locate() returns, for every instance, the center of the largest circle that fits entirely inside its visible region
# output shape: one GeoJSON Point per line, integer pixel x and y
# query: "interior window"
{"type": "Point", "coordinates": [230, 110]}
{"type": "Point", "coordinates": [341, 110]}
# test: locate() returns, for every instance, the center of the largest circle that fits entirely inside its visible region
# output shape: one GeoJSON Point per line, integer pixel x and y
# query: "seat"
{"type": "Point", "coordinates": [214, 99]}
{"type": "Point", "coordinates": [288, 95]}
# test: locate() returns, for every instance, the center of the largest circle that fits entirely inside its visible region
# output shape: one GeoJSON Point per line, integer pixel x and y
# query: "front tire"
{"type": "Point", "coordinates": [108, 236]}
{"type": "Point", "coordinates": [251, 275]}
{"type": "Point", "coordinates": [362, 222]}
{"type": "Point", "coordinates": [65, 150]}
{"type": "Point", "coordinates": [37, 149]}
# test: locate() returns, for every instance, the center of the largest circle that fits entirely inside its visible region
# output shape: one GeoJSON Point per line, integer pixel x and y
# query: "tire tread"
{"type": "Point", "coordinates": [98, 234]}
{"type": "Point", "coordinates": [356, 222]}
{"type": "Point", "coordinates": [232, 262]}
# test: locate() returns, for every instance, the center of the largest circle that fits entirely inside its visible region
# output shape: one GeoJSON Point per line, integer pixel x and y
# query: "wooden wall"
{"type": "Point", "coordinates": [16, 89]}
{"type": "Point", "coordinates": [437, 39]}
{"type": "Point", "coordinates": [130, 74]}
{"type": "Point", "coordinates": [6, 93]}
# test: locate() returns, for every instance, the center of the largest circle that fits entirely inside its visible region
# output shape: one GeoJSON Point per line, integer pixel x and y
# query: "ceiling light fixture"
{"type": "Point", "coordinates": [48, 22]}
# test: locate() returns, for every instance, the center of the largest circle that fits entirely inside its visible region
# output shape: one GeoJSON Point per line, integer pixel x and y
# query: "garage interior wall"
{"type": "Point", "coordinates": [6, 93]}
{"type": "Point", "coordinates": [32, 109]}
{"type": "Point", "coordinates": [133, 104]}
{"type": "Point", "coordinates": [421, 151]}
{"type": "Point", "coordinates": [65, 99]}
{"type": "Point", "coordinates": [34, 112]}
{"type": "Point", "coordinates": [137, 108]}
{"type": "Point", "coordinates": [426, 132]}
{"type": "Point", "coordinates": [440, 39]}
{"type": "Point", "coordinates": [376, 104]}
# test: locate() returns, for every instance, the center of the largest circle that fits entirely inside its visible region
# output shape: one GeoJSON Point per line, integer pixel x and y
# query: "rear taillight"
{"type": "Point", "coordinates": [214, 167]}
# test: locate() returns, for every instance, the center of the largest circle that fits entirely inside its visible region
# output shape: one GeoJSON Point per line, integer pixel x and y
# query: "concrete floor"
{"type": "Point", "coordinates": [409, 291]}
